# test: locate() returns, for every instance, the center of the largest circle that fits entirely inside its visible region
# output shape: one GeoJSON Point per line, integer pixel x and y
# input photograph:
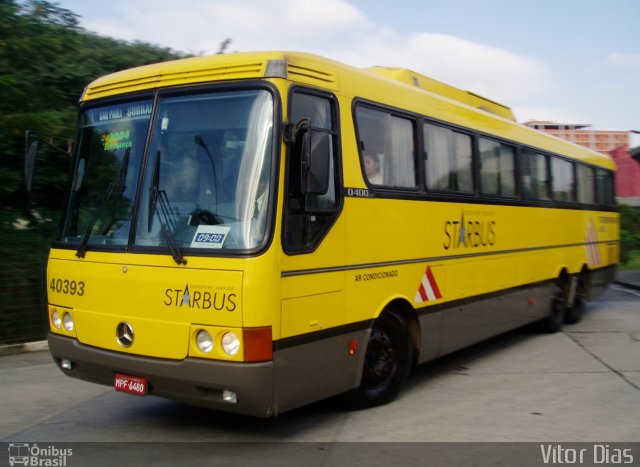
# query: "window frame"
{"type": "Point", "coordinates": [452, 155]}
{"type": "Point", "coordinates": [520, 150]}
{"type": "Point", "coordinates": [395, 113]}
{"type": "Point", "coordinates": [290, 173]}
{"type": "Point", "coordinates": [607, 198]}
{"type": "Point", "coordinates": [579, 181]}
{"type": "Point", "coordinates": [555, 163]}
{"type": "Point", "coordinates": [526, 151]}
{"type": "Point", "coordinates": [514, 172]}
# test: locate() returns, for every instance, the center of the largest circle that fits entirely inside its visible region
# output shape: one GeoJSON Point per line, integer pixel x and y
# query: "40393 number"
{"type": "Point", "coordinates": [67, 287]}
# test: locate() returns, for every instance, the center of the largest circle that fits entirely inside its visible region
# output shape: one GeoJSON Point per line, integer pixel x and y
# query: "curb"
{"type": "Point", "coordinates": [627, 285]}
{"type": "Point", "coordinates": [38, 346]}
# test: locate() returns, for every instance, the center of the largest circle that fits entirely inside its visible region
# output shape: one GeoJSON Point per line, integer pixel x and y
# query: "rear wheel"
{"type": "Point", "coordinates": [387, 363]}
{"type": "Point", "coordinates": [553, 323]}
{"type": "Point", "coordinates": [574, 312]}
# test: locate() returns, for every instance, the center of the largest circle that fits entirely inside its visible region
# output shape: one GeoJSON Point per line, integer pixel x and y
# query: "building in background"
{"type": "Point", "coordinates": [614, 143]}
{"type": "Point", "coordinates": [603, 141]}
{"type": "Point", "coordinates": [627, 175]}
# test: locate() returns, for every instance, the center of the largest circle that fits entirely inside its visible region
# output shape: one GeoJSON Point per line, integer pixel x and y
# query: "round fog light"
{"type": "Point", "coordinates": [230, 344]}
{"type": "Point", "coordinates": [204, 341]}
{"type": "Point", "coordinates": [55, 319]}
{"type": "Point", "coordinates": [67, 322]}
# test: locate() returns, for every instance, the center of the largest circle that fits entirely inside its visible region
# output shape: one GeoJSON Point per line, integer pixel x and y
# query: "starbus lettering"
{"type": "Point", "coordinates": [202, 300]}
{"type": "Point", "coordinates": [469, 233]}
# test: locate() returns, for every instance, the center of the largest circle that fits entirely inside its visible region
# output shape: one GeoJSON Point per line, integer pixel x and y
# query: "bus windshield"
{"type": "Point", "coordinates": [206, 182]}
{"type": "Point", "coordinates": [110, 151]}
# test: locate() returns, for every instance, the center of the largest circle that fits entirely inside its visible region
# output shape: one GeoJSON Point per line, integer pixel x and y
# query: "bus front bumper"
{"type": "Point", "coordinates": [192, 381]}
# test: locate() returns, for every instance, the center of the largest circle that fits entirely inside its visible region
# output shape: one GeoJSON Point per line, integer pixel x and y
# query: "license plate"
{"type": "Point", "coordinates": [130, 384]}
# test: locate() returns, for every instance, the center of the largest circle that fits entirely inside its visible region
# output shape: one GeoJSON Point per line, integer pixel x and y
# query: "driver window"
{"type": "Point", "coordinates": [308, 217]}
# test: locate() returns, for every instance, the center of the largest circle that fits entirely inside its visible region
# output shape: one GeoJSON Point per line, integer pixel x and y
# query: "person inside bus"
{"type": "Point", "coordinates": [372, 168]}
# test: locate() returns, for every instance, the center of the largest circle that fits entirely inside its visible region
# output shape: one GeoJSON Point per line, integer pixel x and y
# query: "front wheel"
{"type": "Point", "coordinates": [387, 363]}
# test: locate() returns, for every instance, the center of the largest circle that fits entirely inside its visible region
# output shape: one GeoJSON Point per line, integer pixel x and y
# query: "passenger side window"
{"type": "Point", "coordinates": [449, 159]}
{"type": "Point", "coordinates": [387, 148]}
{"type": "Point", "coordinates": [563, 180]}
{"type": "Point", "coordinates": [497, 168]}
{"type": "Point", "coordinates": [604, 180]}
{"type": "Point", "coordinates": [535, 175]}
{"type": "Point", "coordinates": [586, 184]}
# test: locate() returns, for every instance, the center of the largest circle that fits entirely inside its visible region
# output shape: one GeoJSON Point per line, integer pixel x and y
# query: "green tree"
{"type": "Point", "coordinates": [46, 60]}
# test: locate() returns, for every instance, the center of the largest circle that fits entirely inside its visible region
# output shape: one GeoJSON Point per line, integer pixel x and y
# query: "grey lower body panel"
{"type": "Point", "coordinates": [599, 279]}
{"type": "Point", "coordinates": [319, 365]}
{"type": "Point", "coordinates": [192, 381]}
{"type": "Point", "coordinates": [459, 324]}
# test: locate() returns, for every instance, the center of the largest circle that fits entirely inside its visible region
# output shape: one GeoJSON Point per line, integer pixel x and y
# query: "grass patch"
{"type": "Point", "coordinates": [633, 263]}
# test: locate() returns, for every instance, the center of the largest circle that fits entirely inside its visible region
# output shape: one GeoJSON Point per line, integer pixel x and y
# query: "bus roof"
{"type": "Point", "coordinates": [437, 87]}
{"type": "Point", "coordinates": [395, 87]}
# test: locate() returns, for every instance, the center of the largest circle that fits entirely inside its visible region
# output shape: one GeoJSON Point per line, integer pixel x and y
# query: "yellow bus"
{"type": "Point", "coordinates": [257, 231]}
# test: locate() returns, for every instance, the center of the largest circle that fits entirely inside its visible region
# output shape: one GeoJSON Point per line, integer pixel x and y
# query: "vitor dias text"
{"type": "Point", "coordinates": [597, 454]}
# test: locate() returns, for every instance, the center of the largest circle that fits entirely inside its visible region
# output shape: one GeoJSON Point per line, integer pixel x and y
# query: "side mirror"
{"type": "Point", "coordinates": [31, 151]}
{"type": "Point", "coordinates": [315, 163]}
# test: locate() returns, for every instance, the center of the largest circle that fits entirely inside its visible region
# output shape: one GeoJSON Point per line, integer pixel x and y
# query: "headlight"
{"type": "Point", "coordinates": [67, 322]}
{"type": "Point", "coordinates": [55, 319]}
{"type": "Point", "coordinates": [204, 341]}
{"type": "Point", "coordinates": [230, 344]}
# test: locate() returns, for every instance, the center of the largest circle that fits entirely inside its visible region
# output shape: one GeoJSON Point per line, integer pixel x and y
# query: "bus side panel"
{"type": "Point", "coordinates": [468, 323]}
{"type": "Point", "coordinates": [599, 280]}
{"type": "Point", "coordinates": [430, 334]}
{"type": "Point", "coordinates": [312, 303]}
{"type": "Point", "coordinates": [311, 350]}
{"type": "Point", "coordinates": [308, 370]}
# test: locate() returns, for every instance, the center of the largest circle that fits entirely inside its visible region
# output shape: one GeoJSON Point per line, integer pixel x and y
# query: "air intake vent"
{"type": "Point", "coordinates": [311, 75]}
{"type": "Point", "coordinates": [144, 78]}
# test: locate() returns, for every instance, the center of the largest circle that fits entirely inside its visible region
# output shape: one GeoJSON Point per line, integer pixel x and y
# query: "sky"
{"type": "Point", "coordinates": [568, 61]}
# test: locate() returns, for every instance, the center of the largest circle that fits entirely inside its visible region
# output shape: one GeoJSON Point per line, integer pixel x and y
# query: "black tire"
{"type": "Point", "coordinates": [553, 323]}
{"type": "Point", "coordinates": [387, 364]}
{"type": "Point", "coordinates": [573, 313]}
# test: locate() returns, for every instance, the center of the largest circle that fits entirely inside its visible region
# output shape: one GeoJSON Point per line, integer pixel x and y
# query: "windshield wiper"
{"type": "Point", "coordinates": [82, 249]}
{"type": "Point", "coordinates": [166, 216]}
{"type": "Point", "coordinates": [106, 196]}
{"type": "Point", "coordinates": [122, 176]}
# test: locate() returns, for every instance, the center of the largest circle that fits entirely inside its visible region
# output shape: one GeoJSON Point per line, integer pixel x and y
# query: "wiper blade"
{"type": "Point", "coordinates": [82, 249]}
{"type": "Point", "coordinates": [166, 216]}
{"type": "Point", "coordinates": [155, 190]}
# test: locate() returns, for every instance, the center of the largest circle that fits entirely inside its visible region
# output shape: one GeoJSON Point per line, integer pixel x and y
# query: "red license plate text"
{"type": "Point", "coordinates": [130, 384]}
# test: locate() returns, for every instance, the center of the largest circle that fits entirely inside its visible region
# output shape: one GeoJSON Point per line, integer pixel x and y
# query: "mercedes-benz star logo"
{"type": "Point", "coordinates": [124, 334]}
